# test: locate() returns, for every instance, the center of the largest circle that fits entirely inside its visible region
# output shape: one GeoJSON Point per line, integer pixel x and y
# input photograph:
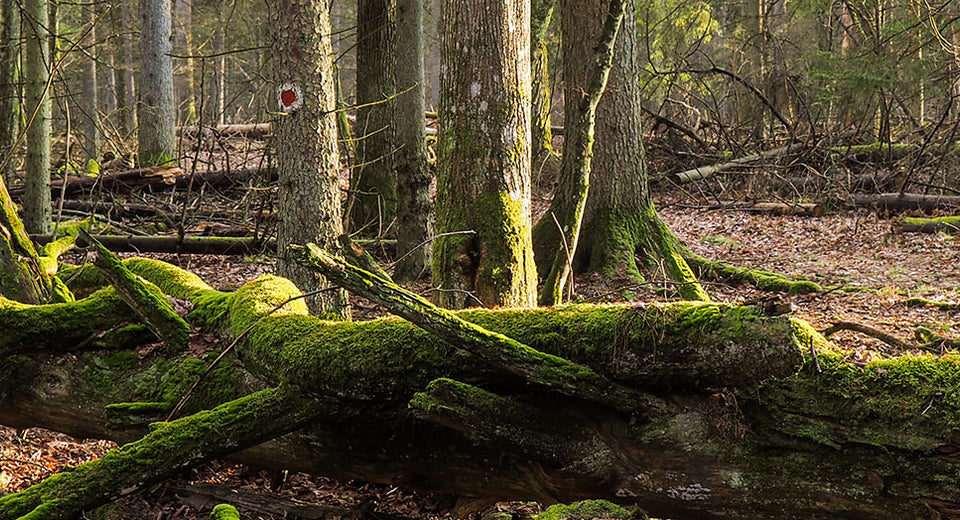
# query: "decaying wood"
{"type": "Point", "coordinates": [173, 244]}
{"type": "Point", "coordinates": [145, 300]}
{"type": "Point", "coordinates": [949, 225]}
{"type": "Point", "coordinates": [397, 404]}
{"type": "Point", "coordinates": [156, 177]}
{"type": "Point", "coordinates": [906, 201]}
{"type": "Point", "coordinates": [703, 172]}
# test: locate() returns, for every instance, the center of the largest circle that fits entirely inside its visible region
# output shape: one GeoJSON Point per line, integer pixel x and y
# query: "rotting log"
{"type": "Point", "coordinates": [896, 202]}
{"type": "Point", "coordinates": [172, 244]}
{"type": "Point", "coordinates": [144, 298]}
{"type": "Point", "coordinates": [703, 172]}
{"type": "Point", "coordinates": [161, 177]}
{"type": "Point", "coordinates": [837, 440]}
{"type": "Point", "coordinates": [949, 225]}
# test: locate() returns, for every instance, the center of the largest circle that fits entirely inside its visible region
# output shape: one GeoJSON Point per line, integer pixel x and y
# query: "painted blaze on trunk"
{"type": "Point", "coordinates": [483, 176]}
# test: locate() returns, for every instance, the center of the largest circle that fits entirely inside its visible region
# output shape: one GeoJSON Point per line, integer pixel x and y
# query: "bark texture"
{"type": "Point", "coordinates": [414, 207]}
{"type": "Point", "coordinates": [90, 109]}
{"type": "Point", "coordinates": [9, 88]}
{"type": "Point", "coordinates": [483, 148]}
{"type": "Point", "coordinates": [182, 45]}
{"type": "Point", "coordinates": [127, 69]}
{"type": "Point", "coordinates": [156, 106]}
{"type": "Point", "coordinates": [305, 144]}
{"type": "Point", "coordinates": [37, 213]}
{"type": "Point", "coordinates": [841, 441]}
{"type": "Point", "coordinates": [373, 186]}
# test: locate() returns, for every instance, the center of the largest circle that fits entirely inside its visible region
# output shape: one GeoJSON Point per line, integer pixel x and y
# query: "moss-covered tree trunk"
{"type": "Point", "coordinates": [156, 108]}
{"type": "Point", "coordinates": [9, 88]}
{"type": "Point", "coordinates": [373, 185]}
{"type": "Point", "coordinates": [21, 278]}
{"type": "Point", "coordinates": [414, 207]}
{"type": "Point", "coordinates": [37, 213]}
{"type": "Point", "coordinates": [483, 170]}
{"type": "Point", "coordinates": [305, 143]}
{"type": "Point", "coordinates": [619, 220]}
{"type": "Point", "coordinates": [731, 429]}
{"type": "Point", "coordinates": [542, 155]}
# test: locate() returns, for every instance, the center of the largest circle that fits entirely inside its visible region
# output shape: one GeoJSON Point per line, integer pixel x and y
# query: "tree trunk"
{"type": "Point", "coordinates": [218, 90]}
{"type": "Point", "coordinates": [305, 143]}
{"type": "Point", "coordinates": [373, 183]}
{"type": "Point", "coordinates": [156, 106]}
{"type": "Point", "coordinates": [734, 432]}
{"type": "Point", "coordinates": [37, 214]}
{"type": "Point", "coordinates": [414, 207]}
{"type": "Point", "coordinates": [182, 45]}
{"type": "Point", "coordinates": [127, 68]}
{"type": "Point", "coordinates": [541, 14]}
{"type": "Point", "coordinates": [9, 89]}
{"type": "Point", "coordinates": [90, 110]}
{"type": "Point", "coordinates": [619, 220]}
{"type": "Point", "coordinates": [20, 274]}
{"type": "Point", "coordinates": [483, 148]}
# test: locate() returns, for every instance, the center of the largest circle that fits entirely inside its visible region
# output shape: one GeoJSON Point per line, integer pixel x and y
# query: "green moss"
{"type": "Point", "coordinates": [762, 280]}
{"type": "Point", "coordinates": [117, 361]}
{"type": "Point", "coordinates": [589, 510]}
{"type": "Point", "coordinates": [911, 402]}
{"type": "Point", "coordinates": [224, 512]}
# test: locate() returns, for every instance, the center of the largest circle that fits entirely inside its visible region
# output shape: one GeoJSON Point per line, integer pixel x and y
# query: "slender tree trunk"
{"type": "Point", "coordinates": [127, 68]}
{"type": "Point", "coordinates": [483, 183]}
{"type": "Point", "coordinates": [90, 119]}
{"type": "Point", "coordinates": [9, 88]}
{"type": "Point", "coordinates": [619, 219]}
{"type": "Point", "coordinates": [414, 215]}
{"type": "Point", "coordinates": [541, 13]}
{"type": "Point", "coordinates": [219, 84]}
{"type": "Point", "coordinates": [156, 109]}
{"type": "Point", "coordinates": [182, 24]}
{"type": "Point", "coordinates": [372, 183]}
{"type": "Point", "coordinates": [305, 143]}
{"type": "Point", "coordinates": [37, 215]}
{"type": "Point", "coordinates": [107, 83]}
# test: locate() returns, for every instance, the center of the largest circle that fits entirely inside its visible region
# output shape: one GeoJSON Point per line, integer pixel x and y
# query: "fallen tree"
{"type": "Point", "coordinates": [744, 415]}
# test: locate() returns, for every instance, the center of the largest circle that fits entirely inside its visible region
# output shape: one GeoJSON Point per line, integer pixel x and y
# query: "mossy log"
{"type": "Point", "coordinates": [949, 225]}
{"type": "Point", "coordinates": [731, 436]}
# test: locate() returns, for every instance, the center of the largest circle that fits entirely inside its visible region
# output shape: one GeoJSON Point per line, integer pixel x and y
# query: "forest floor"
{"type": "Point", "coordinates": [849, 249]}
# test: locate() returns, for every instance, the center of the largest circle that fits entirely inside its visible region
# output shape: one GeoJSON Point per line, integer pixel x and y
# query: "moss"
{"type": "Point", "coordinates": [224, 512]}
{"type": "Point", "coordinates": [589, 510]}
{"type": "Point", "coordinates": [911, 402]}
{"type": "Point", "coordinates": [117, 361]}
{"type": "Point", "coordinates": [60, 323]}
{"type": "Point", "coordinates": [762, 280]}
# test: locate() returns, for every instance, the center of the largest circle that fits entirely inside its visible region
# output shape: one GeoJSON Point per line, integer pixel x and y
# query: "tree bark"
{"type": "Point", "coordinates": [9, 89]}
{"type": "Point", "coordinates": [835, 441]}
{"type": "Point", "coordinates": [373, 184]}
{"type": "Point", "coordinates": [129, 97]}
{"type": "Point", "coordinates": [305, 144]}
{"type": "Point", "coordinates": [182, 45]}
{"type": "Point", "coordinates": [414, 206]}
{"type": "Point", "coordinates": [20, 276]}
{"type": "Point", "coordinates": [37, 213]}
{"type": "Point", "coordinates": [619, 220]}
{"type": "Point", "coordinates": [483, 148]}
{"type": "Point", "coordinates": [156, 105]}
{"type": "Point", "coordinates": [90, 109]}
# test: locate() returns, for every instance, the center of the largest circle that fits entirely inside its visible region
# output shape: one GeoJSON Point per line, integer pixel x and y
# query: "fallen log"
{"type": "Point", "coordinates": [703, 172]}
{"type": "Point", "coordinates": [402, 406]}
{"type": "Point", "coordinates": [249, 130]}
{"type": "Point", "coordinates": [897, 202]}
{"type": "Point", "coordinates": [949, 225]}
{"type": "Point", "coordinates": [803, 209]}
{"type": "Point", "coordinates": [172, 244]}
{"type": "Point", "coordinates": [157, 177]}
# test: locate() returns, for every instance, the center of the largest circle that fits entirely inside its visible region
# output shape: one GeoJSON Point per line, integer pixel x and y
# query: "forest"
{"type": "Point", "coordinates": [486, 259]}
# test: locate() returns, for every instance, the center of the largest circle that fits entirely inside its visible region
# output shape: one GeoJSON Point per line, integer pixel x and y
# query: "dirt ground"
{"type": "Point", "coordinates": [843, 249]}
